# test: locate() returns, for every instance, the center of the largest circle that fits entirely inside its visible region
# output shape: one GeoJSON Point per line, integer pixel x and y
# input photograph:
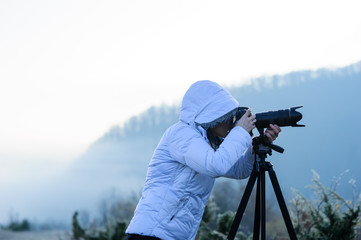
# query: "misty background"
{"type": "Point", "coordinates": [116, 163]}
{"type": "Point", "coordinates": [87, 88]}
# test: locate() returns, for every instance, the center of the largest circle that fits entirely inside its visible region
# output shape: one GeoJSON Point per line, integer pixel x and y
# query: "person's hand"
{"type": "Point", "coordinates": [247, 121]}
{"type": "Point", "coordinates": [272, 132]}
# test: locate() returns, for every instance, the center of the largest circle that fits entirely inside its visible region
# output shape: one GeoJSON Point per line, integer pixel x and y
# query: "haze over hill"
{"type": "Point", "coordinates": [329, 143]}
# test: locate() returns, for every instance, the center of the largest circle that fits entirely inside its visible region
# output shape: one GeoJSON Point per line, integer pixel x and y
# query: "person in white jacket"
{"type": "Point", "coordinates": [205, 144]}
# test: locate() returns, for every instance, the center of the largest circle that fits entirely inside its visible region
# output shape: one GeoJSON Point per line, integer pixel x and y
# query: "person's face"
{"type": "Point", "coordinates": [222, 129]}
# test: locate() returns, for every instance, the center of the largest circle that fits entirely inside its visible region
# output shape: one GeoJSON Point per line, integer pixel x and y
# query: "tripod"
{"type": "Point", "coordinates": [261, 149]}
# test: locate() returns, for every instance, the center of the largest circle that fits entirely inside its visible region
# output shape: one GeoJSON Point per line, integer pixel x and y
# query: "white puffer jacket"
{"type": "Point", "coordinates": [182, 170]}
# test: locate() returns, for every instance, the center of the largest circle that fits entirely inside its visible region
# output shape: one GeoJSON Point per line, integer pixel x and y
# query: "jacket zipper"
{"type": "Point", "coordinates": [179, 207]}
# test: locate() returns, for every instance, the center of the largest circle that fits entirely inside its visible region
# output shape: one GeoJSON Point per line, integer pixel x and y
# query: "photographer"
{"type": "Point", "coordinates": [205, 144]}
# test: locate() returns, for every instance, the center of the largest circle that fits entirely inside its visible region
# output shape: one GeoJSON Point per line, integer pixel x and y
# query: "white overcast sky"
{"type": "Point", "coordinates": [69, 70]}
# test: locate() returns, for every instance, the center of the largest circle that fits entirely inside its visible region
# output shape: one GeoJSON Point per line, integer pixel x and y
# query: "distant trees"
{"type": "Point", "coordinates": [153, 122]}
{"type": "Point", "coordinates": [17, 225]}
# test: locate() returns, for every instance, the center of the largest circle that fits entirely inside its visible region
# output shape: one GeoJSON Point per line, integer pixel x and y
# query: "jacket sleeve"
{"type": "Point", "coordinates": [233, 158]}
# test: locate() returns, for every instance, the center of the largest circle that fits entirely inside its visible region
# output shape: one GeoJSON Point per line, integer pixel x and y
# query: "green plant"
{"type": "Point", "coordinates": [19, 226]}
{"type": "Point", "coordinates": [224, 222]}
{"type": "Point", "coordinates": [114, 231]}
{"type": "Point", "coordinates": [330, 216]}
{"type": "Point", "coordinates": [16, 225]}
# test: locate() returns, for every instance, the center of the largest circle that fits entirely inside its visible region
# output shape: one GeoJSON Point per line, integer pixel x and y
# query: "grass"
{"type": "Point", "coordinates": [35, 235]}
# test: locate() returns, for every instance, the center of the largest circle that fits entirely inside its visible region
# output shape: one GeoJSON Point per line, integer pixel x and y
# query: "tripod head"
{"type": "Point", "coordinates": [262, 146]}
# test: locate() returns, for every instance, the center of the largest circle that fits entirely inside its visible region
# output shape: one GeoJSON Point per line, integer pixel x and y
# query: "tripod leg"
{"type": "Point", "coordinates": [257, 213]}
{"type": "Point", "coordinates": [263, 204]}
{"type": "Point", "coordinates": [281, 203]}
{"type": "Point", "coordinates": [242, 206]}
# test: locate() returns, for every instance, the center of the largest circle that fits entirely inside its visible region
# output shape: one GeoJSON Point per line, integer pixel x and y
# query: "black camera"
{"type": "Point", "coordinates": [283, 118]}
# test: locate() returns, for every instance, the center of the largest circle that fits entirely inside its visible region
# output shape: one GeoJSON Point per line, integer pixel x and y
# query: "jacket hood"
{"type": "Point", "coordinates": [206, 103]}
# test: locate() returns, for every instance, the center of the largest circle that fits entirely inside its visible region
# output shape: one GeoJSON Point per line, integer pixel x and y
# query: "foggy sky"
{"type": "Point", "coordinates": [69, 70]}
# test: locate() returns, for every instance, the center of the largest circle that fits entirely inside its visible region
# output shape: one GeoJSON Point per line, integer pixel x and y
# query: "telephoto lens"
{"type": "Point", "coordinates": [283, 118]}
